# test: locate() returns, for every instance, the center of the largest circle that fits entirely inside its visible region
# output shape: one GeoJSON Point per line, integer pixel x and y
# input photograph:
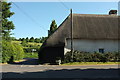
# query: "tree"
{"type": "Point", "coordinates": [27, 39]}
{"type": "Point", "coordinates": [7, 25]}
{"type": "Point", "coordinates": [24, 43]}
{"type": "Point", "coordinates": [13, 38]}
{"type": "Point", "coordinates": [22, 39]}
{"type": "Point", "coordinates": [43, 39]}
{"type": "Point", "coordinates": [53, 27]}
{"type": "Point", "coordinates": [11, 52]}
{"type": "Point", "coordinates": [37, 40]}
{"type": "Point", "coordinates": [31, 39]}
{"type": "Point", "coordinates": [19, 39]}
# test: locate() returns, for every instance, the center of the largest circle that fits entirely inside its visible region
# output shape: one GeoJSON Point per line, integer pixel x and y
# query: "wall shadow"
{"type": "Point", "coordinates": [82, 74]}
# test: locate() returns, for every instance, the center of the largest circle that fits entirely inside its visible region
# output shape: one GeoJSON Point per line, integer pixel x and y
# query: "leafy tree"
{"type": "Point", "coordinates": [11, 52]}
{"type": "Point", "coordinates": [13, 38]}
{"type": "Point", "coordinates": [22, 39]}
{"type": "Point", "coordinates": [27, 39]}
{"type": "Point", "coordinates": [7, 25]}
{"type": "Point", "coordinates": [24, 43]}
{"type": "Point", "coordinates": [53, 27]}
{"type": "Point", "coordinates": [31, 39]}
{"type": "Point", "coordinates": [19, 39]}
{"type": "Point", "coordinates": [6, 51]}
{"type": "Point", "coordinates": [37, 40]}
{"type": "Point", "coordinates": [19, 52]}
{"type": "Point", "coordinates": [43, 39]}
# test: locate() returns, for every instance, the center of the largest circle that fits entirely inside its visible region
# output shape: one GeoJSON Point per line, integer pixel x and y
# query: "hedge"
{"type": "Point", "coordinates": [91, 57]}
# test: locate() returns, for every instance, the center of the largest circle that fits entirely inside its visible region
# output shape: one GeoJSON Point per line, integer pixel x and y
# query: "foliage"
{"type": "Point", "coordinates": [11, 51]}
{"type": "Point", "coordinates": [43, 39]}
{"type": "Point", "coordinates": [7, 25]}
{"type": "Point", "coordinates": [24, 43]}
{"type": "Point", "coordinates": [18, 53]}
{"type": "Point", "coordinates": [91, 57]}
{"type": "Point", "coordinates": [29, 49]}
{"type": "Point", "coordinates": [22, 39]}
{"type": "Point", "coordinates": [53, 28]}
{"type": "Point", "coordinates": [31, 39]}
{"type": "Point", "coordinates": [27, 39]}
{"type": "Point", "coordinates": [37, 40]}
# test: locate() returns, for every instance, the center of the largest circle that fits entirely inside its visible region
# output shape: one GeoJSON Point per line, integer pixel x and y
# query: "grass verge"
{"type": "Point", "coordinates": [91, 63]}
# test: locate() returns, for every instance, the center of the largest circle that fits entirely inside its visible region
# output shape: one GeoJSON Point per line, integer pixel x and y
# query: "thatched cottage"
{"type": "Point", "coordinates": [91, 33]}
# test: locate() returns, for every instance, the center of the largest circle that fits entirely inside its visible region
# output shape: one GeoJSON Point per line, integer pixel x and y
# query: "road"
{"type": "Point", "coordinates": [22, 70]}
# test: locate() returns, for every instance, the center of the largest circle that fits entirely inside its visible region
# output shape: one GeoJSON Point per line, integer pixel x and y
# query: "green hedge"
{"type": "Point", "coordinates": [91, 57]}
{"type": "Point", "coordinates": [11, 52]}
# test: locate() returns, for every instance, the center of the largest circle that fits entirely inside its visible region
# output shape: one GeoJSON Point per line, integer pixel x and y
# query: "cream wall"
{"type": "Point", "coordinates": [91, 45]}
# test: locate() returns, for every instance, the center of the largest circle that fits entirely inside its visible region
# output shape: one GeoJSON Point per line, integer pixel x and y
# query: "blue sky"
{"type": "Point", "coordinates": [33, 19]}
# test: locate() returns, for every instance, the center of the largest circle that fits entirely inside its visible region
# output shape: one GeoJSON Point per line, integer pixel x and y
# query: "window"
{"type": "Point", "coordinates": [101, 50]}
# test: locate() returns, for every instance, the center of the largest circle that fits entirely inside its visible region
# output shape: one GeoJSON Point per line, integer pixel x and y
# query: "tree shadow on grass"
{"type": "Point", "coordinates": [27, 61]}
{"type": "Point", "coordinates": [69, 74]}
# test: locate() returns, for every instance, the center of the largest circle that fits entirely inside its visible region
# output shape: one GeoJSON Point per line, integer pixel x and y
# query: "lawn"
{"type": "Point", "coordinates": [91, 63]}
{"type": "Point", "coordinates": [31, 55]}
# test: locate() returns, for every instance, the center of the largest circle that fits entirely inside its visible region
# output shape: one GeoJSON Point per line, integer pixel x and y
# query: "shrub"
{"type": "Point", "coordinates": [6, 51]}
{"type": "Point", "coordinates": [91, 57]}
{"type": "Point", "coordinates": [11, 52]}
{"type": "Point", "coordinates": [18, 52]}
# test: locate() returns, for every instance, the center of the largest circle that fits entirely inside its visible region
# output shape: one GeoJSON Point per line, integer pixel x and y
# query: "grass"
{"type": "Point", "coordinates": [32, 43]}
{"type": "Point", "coordinates": [91, 63]}
{"type": "Point", "coordinates": [31, 55]}
{"type": "Point", "coordinates": [18, 42]}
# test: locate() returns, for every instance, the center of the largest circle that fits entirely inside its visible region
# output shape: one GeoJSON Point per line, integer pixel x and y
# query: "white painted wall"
{"type": "Point", "coordinates": [91, 45]}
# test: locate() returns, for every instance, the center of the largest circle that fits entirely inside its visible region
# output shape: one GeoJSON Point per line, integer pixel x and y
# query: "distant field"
{"type": "Point", "coordinates": [16, 42]}
{"type": "Point", "coordinates": [32, 43]}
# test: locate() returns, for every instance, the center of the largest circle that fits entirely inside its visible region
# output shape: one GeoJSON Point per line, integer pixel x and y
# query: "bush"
{"type": "Point", "coordinates": [19, 52]}
{"type": "Point", "coordinates": [11, 52]}
{"type": "Point", "coordinates": [91, 57]}
{"type": "Point", "coordinates": [6, 51]}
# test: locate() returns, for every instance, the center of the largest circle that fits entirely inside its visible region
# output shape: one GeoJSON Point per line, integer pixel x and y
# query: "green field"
{"type": "Point", "coordinates": [31, 55]}
{"type": "Point", "coordinates": [32, 43]}
{"type": "Point", "coordinates": [91, 63]}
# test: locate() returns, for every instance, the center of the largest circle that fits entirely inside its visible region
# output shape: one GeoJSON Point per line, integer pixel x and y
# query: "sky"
{"type": "Point", "coordinates": [33, 19]}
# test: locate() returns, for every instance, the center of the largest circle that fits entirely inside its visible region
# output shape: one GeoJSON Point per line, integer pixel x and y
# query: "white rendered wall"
{"type": "Point", "coordinates": [91, 45]}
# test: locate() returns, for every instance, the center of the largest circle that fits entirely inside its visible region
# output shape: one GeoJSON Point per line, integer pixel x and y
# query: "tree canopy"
{"type": "Point", "coordinates": [7, 25]}
{"type": "Point", "coordinates": [53, 27]}
{"type": "Point", "coordinates": [10, 51]}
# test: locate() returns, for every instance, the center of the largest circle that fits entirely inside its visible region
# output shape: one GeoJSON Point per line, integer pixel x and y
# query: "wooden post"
{"type": "Point", "coordinates": [71, 35]}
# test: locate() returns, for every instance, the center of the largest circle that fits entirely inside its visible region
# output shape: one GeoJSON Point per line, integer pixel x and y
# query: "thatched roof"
{"type": "Point", "coordinates": [85, 26]}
